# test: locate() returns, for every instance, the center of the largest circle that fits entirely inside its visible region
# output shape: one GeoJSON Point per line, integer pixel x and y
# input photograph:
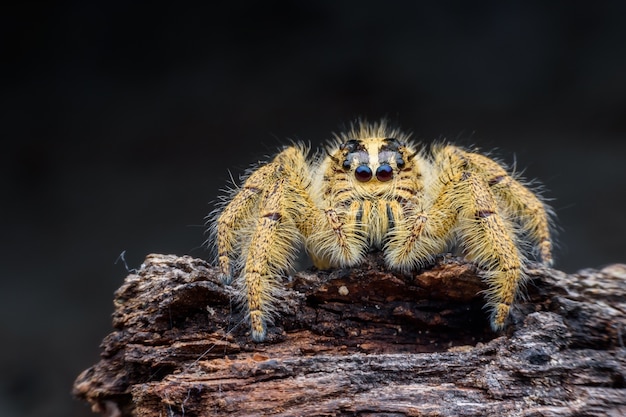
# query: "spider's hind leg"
{"type": "Point", "coordinates": [488, 238]}
{"type": "Point", "coordinates": [231, 223]}
{"type": "Point", "coordinates": [534, 215]}
{"type": "Point", "coordinates": [271, 251]}
{"type": "Point", "coordinates": [260, 231]}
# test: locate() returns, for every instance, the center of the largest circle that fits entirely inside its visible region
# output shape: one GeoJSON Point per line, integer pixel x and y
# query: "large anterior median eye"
{"type": "Point", "coordinates": [363, 173]}
{"type": "Point", "coordinates": [384, 173]}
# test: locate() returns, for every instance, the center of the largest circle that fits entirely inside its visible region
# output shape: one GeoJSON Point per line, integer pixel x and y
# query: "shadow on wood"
{"type": "Point", "coordinates": [362, 341]}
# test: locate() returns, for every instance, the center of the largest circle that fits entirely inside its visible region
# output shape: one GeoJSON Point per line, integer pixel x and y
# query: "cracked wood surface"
{"type": "Point", "coordinates": [362, 341]}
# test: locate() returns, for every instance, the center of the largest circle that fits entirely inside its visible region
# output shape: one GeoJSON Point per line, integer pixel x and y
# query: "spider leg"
{"type": "Point", "coordinates": [234, 218]}
{"type": "Point", "coordinates": [489, 240]}
{"type": "Point", "coordinates": [523, 204]}
{"type": "Point", "coordinates": [484, 228]}
{"type": "Point", "coordinates": [464, 207]}
{"type": "Point", "coordinates": [337, 238]}
{"type": "Point", "coordinates": [270, 252]}
{"type": "Point", "coordinates": [260, 230]}
{"type": "Point", "coordinates": [421, 233]}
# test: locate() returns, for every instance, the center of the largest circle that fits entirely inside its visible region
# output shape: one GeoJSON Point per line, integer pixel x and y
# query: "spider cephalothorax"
{"type": "Point", "coordinates": [373, 188]}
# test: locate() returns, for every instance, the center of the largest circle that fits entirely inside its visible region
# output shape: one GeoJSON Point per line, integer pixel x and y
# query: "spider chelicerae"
{"type": "Point", "coordinates": [373, 188]}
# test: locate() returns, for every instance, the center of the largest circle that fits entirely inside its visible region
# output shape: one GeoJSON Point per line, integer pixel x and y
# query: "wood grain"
{"type": "Point", "coordinates": [362, 341]}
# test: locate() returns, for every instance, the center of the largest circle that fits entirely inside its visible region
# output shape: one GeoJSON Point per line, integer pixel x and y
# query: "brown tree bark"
{"type": "Point", "coordinates": [363, 341]}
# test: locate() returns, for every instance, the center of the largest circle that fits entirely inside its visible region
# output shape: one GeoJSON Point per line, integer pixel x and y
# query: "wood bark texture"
{"type": "Point", "coordinates": [362, 342]}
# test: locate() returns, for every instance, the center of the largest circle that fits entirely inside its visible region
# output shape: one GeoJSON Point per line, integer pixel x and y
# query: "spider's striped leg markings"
{"type": "Point", "coordinates": [338, 238]}
{"type": "Point", "coordinates": [270, 252]}
{"type": "Point", "coordinates": [260, 229]}
{"type": "Point", "coordinates": [235, 217]}
{"type": "Point", "coordinates": [486, 231]}
{"type": "Point", "coordinates": [489, 240]}
{"type": "Point", "coordinates": [533, 214]}
{"type": "Point", "coordinates": [346, 236]}
{"type": "Point", "coordinates": [422, 229]}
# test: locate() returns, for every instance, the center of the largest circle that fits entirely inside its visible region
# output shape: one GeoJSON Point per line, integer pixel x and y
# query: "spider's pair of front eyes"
{"type": "Point", "coordinates": [364, 173]}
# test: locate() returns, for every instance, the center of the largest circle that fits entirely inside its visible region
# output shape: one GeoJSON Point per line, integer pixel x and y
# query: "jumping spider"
{"type": "Point", "coordinates": [375, 189]}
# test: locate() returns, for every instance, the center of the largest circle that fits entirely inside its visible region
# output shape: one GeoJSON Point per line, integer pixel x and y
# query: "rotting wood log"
{"type": "Point", "coordinates": [362, 341]}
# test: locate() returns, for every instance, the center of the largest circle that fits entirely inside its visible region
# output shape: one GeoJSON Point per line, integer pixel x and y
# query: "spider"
{"type": "Point", "coordinates": [375, 189]}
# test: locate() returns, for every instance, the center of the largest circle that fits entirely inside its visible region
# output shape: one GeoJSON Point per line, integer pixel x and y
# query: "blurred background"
{"type": "Point", "coordinates": [120, 122]}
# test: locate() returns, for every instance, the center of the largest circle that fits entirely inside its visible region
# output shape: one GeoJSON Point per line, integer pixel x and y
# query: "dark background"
{"type": "Point", "coordinates": [120, 121]}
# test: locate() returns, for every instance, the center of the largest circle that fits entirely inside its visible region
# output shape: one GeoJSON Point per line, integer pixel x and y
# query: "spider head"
{"type": "Point", "coordinates": [373, 159]}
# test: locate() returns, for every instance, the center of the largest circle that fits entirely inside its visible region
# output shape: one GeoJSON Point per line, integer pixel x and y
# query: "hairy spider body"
{"type": "Point", "coordinates": [375, 189]}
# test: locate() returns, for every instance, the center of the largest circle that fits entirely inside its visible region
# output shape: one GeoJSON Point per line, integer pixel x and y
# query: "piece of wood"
{"type": "Point", "coordinates": [362, 341]}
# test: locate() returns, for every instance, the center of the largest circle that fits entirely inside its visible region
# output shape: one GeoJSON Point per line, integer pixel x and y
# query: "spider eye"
{"type": "Point", "coordinates": [351, 145]}
{"type": "Point", "coordinates": [400, 163]}
{"type": "Point", "coordinates": [363, 173]}
{"type": "Point", "coordinates": [384, 173]}
{"type": "Point", "coordinates": [346, 164]}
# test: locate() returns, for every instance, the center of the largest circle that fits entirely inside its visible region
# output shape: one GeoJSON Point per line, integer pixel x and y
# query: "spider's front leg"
{"type": "Point", "coordinates": [261, 223]}
{"type": "Point", "coordinates": [424, 228]}
{"type": "Point", "coordinates": [336, 240]}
